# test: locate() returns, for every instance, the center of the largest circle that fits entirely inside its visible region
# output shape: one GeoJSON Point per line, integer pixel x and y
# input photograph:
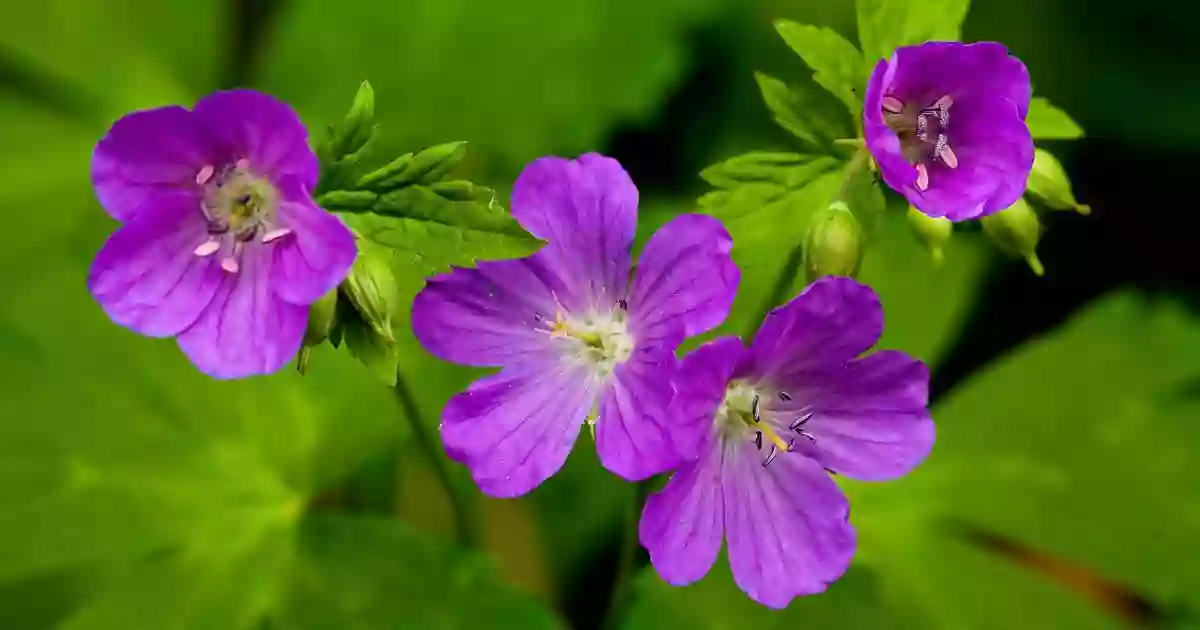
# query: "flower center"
{"type": "Point", "coordinates": [239, 206]}
{"type": "Point", "coordinates": [748, 412]}
{"type": "Point", "coordinates": [923, 133]}
{"type": "Point", "coordinates": [599, 339]}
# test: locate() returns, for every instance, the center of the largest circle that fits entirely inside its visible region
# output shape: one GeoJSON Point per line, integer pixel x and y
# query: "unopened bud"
{"type": "Point", "coordinates": [322, 317]}
{"type": "Point", "coordinates": [372, 290]}
{"type": "Point", "coordinates": [1048, 182]}
{"type": "Point", "coordinates": [932, 232]}
{"type": "Point", "coordinates": [1016, 230]}
{"type": "Point", "coordinates": [833, 243]}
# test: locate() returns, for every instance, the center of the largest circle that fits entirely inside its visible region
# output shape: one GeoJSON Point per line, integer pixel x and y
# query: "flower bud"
{"type": "Point", "coordinates": [372, 290]}
{"type": "Point", "coordinates": [1016, 230]}
{"type": "Point", "coordinates": [932, 232]}
{"type": "Point", "coordinates": [833, 243]}
{"type": "Point", "coordinates": [322, 317]}
{"type": "Point", "coordinates": [360, 120]}
{"type": "Point", "coordinates": [1048, 183]}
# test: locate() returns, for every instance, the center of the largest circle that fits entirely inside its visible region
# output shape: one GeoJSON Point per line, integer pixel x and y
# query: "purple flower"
{"type": "Point", "coordinates": [759, 429]}
{"type": "Point", "coordinates": [222, 244]}
{"type": "Point", "coordinates": [574, 328]}
{"type": "Point", "coordinates": [946, 124]}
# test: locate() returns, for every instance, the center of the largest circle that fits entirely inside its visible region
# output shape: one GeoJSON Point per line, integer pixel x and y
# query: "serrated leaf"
{"type": "Point", "coordinates": [810, 115]}
{"type": "Point", "coordinates": [885, 25]}
{"type": "Point", "coordinates": [837, 64]}
{"type": "Point", "coordinates": [1047, 122]}
{"type": "Point", "coordinates": [749, 182]}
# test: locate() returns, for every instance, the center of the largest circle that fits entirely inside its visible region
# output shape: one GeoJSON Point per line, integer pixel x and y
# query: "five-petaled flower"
{"type": "Point", "coordinates": [945, 121]}
{"type": "Point", "coordinates": [222, 245]}
{"type": "Point", "coordinates": [574, 329]}
{"type": "Point", "coordinates": [759, 428]}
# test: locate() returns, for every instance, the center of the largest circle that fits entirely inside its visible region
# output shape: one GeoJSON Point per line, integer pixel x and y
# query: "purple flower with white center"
{"type": "Point", "coordinates": [222, 245]}
{"type": "Point", "coordinates": [762, 428]}
{"type": "Point", "coordinates": [946, 124]}
{"type": "Point", "coordinates": [574, 329]}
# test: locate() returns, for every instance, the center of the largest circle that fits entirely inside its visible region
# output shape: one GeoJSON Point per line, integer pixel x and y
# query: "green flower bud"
{"type": "Point", "coordinates": [322, 317]}
{"type": "Point", "coordinates": [833, 243]}
{"type": "Point", "coordinates": [1016, 231]}
{"type": "Point", "coordinates": [932, 232]}
{"type": "Point", "coordinates": [360, 121]}
{"type": "Point", "coordinates": [1048, 183]}
{"type": "Point", "coordinates": [372, 290]}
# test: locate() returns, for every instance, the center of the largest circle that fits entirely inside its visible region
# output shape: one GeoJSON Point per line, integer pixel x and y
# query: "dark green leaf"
{"type": "Point", "coordinates": [374, 350]}
{"type": "Point", "coordinates": [837, 64]}
{"type": "Point", "coordinates": [810, 115]}
{"type": "Point", "coordinates": [1047, 122]}
{"type": "Point", "coordinates": [885, 25]}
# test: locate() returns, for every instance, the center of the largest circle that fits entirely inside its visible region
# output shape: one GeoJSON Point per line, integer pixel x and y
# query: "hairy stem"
{"type": "Point", "coordinates": [462, 500]}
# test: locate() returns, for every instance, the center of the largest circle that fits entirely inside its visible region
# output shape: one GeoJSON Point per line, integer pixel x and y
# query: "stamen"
{"type": "Point", "coordinates": [754, 408]}
{"type": "Point", "coordinates": [758, 439]}
{"type": "Point", "coordinates": [791, 445]}
{"type": "Point", "coordinates": [622, 304]}
{"type": "Point", "coordinates": [207, 248]}
{"type": "Point", "coordinates": [784, 396]}
{"type": "Point", "coordinates": [204, 175]}
{"type": "Point", "coordinates": [922, 183]}
{"type": "Point", "coordinates": [230, 265]}
{"type": "Point", "coordinates": [275, 235]}
{"type": "Point", "coordinates": [799, 422]}
{"type": "Point", "coordinates": [944, 102]}
{"type": "Point", "coordinates": [893, 105]}
{"type": "Point", "coordinates": [806, 434]}
{"type": "Point", "coordinates": [242, 164]}
{"type": "Point", "coordinates": [947, 156]}
{"type": "Point", "coordinates": [770, 458]}
{"type": "Point", "coordinates": [831, 471]}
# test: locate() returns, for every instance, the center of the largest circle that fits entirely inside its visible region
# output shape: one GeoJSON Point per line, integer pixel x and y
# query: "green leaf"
{"type": "Point", "coordinates": [748, 183]}
{"type": "Point", "coordinates": [885, 25]}
{"type": "Point", "coordinates": [1047, 122]}
{"type": "Point", "coordinates": [810, 115]}
{"type": "Point", "coordinates": [372, 348]}
{"type": "Point", "coordinates": [865, 197]}
{"type": "Point", "coordinates": [1082, 445]}
{"type": "Point", "coordinates": [837, 64]}
{"type": "Point", "coordinates": [520, 79]}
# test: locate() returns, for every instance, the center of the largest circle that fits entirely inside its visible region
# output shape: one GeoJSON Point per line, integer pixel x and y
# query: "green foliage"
{"type": "Point", "coordinates": [836, 62]}
{"type": "Point", "coordinates": [1029, 450]}
{"type": "Point", "coordinates": [885, 25]}
{"type": "Point", "coordinates": [1047, 122]}
{"type": "Point", "coordinates": [812, 116]}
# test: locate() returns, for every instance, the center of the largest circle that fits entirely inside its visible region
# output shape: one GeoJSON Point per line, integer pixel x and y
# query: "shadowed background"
{"type": "Point", "coordinates": [1064, 492]}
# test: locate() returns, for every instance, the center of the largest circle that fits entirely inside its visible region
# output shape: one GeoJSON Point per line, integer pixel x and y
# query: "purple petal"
{"type": "Point", "coordinates": [247, 330]}
{"type": "Point", "coordinates": [831, 322]}
{"type": "Point", "coordinates": [146, 277]}
{"type": "Point", "coordinates": [699, 386]}
{"type": "Point", "coordinates": [631, 434]}
{"type": "Point", "coordinates": [316, 256]}
{"type": "Point", "coordinates": [882, 142]}
{"type": "Point", "coordinates": [925, 72]}
{"type": "Point", "coordinates": [586, 210]}
{"type": "Point", "coordinates": [682, 525]}
{"type": "Point", "coordinates": [515, 429]}
{"type": "Point", "coordinates": [494, 315]}
{"type": "Point", "coordinates": [995, 155]}
{"type": "Point", "coordinates": [869, 417]}
{"type": "Point", "coordinates": [787, 526]}
{"type": "Point", "coordinates": [263, 130]}
{"type": "Point", "coordinates": [149, 155]}
{"type": "Point", "coordinates": [686, 277]}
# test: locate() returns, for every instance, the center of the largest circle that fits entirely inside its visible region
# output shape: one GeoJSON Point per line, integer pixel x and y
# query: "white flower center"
{"type": "Point", "coordinates": [239, 207]}
{"type": "Point", "coordinates": [748, 413]}
{"type": "Point", "coordinates": [599, 339]}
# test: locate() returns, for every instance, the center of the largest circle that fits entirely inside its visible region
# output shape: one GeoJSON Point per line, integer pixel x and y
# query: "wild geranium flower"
{"type": "Point", "coordinates": [222, 244]}
{"type": "Point", "coordinates": [761, 430]}
{"type": "Point", "coordinates": [574, 329]}
{"type": "Point", "coordinates": [945, 121]}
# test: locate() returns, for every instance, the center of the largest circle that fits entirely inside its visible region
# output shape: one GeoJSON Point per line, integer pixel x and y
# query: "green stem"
{"type": "Point", "coordinates": [795, 259]}
{"type": "Point", "coordinates": [462, 501]}
{"type": "Point", "coordinates": [627, 554]}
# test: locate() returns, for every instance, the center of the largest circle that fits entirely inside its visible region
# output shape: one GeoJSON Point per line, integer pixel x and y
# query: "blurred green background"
{"type": "Point", "coordinates": [1064, 492]}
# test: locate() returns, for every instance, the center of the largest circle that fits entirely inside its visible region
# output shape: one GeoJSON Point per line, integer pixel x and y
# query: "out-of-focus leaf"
{"type": "Point", "coordinates": [1047, 122]}
{"type": "Point", "coordinates": [1082, 445]}
{"type": "Point", "coordinates": [885, 25]}
{"type": "Point", "coordinates": [446, 69]}
{"type": "Point", "coordinates": [837, 64]}
{"type": "Point", "coordinates": [808, 114]}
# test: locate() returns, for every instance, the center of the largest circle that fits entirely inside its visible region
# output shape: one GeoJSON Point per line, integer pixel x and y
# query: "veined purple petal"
{"type": "Point", "coordinates": [147, 278]}
{"type": "Point", "coordinates": [881, 141]}
{"type": "Point", "coordinates": [685, 277]}
{"type": "Point", "coordinates": [682, 525]}
{"type": "Point", "coordinates": [831, 322]}
{"type": "Point", "coordinates": [263, 130]}
{"type": "Point", "coordinates": [149, 155]}
{"type": "Point", "coordinates": [247, 329]}
{"type": "Point", "coordinates": [493, 315]}
{"type": "Point", "coordinates": [699, 388]}
{"type": "Point", "coordinates": [926, 72]}
{"type": "Point", "coordinates": [316, 256]}
{"type": "Point", "coordinates": [515, 429]}
{"type": "Point", "coordinates": [586, 210]}
{"type": "Point", "coordinates": [870, 417]}
{"type": "Point", "coordinates": [632, 439]}
{"type": "Point", "coordinates": [786, 525]}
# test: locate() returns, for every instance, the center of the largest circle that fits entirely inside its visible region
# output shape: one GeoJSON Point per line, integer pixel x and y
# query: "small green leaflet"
{"type": "Point", "coordinates": [811, 115]}
{"type": "Point", "coordinates": [836, 62]}
{"type": "Point", "coordinates": [1047, 122]}
{"type": "Point", "coordinates": [885, 25]}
